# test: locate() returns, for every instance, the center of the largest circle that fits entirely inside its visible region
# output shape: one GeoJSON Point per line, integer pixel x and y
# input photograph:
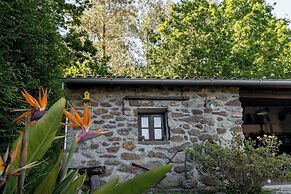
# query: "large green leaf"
{"type": "Point", "coordinates": [137, 185]}
{"type": "Point", "coordinates": [74, 186]}
{"type": "Point", "coordinates": [68, 158]}
{"type": "Point", "coordinates": [107, 187]}
{"type": "Point", "coordinates": [65, 183]}
{"type": "Point", "coordinates": [48, 183]}
{"type": "Point", "coordinates": [39, 138]}
{"type": "Point", "coordinates": [41, 135]}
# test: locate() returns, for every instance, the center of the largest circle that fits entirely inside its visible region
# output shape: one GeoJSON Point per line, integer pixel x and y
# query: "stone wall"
{"type": "Point", "coordinates": [210, 114]}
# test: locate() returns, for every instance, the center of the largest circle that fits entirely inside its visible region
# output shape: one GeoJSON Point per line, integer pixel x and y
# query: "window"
{"type": "Point", "coordinates": [152, 127]}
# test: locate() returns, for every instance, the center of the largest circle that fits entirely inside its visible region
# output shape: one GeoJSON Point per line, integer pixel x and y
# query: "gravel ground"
{"type": "Point", "coordinates": [278, 189]}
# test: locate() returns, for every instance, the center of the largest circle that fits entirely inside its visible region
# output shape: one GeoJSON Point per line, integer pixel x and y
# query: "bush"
{"type": "Point", "coordinates": [243, 166]}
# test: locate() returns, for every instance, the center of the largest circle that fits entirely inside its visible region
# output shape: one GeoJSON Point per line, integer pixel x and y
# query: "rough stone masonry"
{"type": "Point", "coordinates": [210, 113]}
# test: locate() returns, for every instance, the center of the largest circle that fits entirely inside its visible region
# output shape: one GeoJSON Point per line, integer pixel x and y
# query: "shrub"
{"type": "Point", "coordinates": [243, 166]}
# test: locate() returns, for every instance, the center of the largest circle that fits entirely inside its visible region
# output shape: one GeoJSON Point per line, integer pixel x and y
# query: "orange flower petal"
{"type": "Point", "coordinates": [86, 114]}
{"type": "Point", "coordinates": [42, 100]}
{"type": "Point", "coordinates": [23, 115]}
{"type": "Point", "coordinates": [72, 118]}
{"type": "Point", "coordinates": [1, 165]}
{"type": "Point", "coordinates": [30, 99]}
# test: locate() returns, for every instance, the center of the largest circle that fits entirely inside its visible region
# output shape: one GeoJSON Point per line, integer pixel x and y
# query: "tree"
{"type": "Point", "coordinates": [109, 25]}
{"type": "Point", "coordinates": [84, 59]}
{"type": "Point", "coordinates": [32, 52]}
{"type": "Point", "coordinates": [235, 38]}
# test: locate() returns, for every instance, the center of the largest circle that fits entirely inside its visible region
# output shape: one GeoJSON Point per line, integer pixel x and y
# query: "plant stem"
{"type": "Point", "coordinates": [23, 158]}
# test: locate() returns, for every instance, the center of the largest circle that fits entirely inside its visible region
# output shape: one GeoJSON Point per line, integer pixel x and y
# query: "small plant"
{"type": "Point", "coordinates": [244, 165]}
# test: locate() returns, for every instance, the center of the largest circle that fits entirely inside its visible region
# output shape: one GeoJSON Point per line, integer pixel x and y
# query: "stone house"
{"type": "Point", "coordinates": [152, 122]}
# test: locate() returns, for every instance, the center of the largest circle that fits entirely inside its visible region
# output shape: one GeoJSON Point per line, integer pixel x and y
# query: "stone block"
{"type": "Point", "coordinates": [220, 113]}
{"type": "Point", "coordinates": [93, 163]}
{"type": "Point", "coordinates": [177, 138]}
{"type": "Point", "coordinates": [129, 145]}
{"type": "Point", "coordinates": [94, 146]}
{"type": "Point", "coordinates": [108, 116]}
{"type": "Point", "coordinates": [112, 149]}
{"type": "Point", "coordinates": [179, 114]}
{"type": "Point", "coordinates": [234, 102]}
{"type": "Point", "coordinates": [105, 104]}
{"type": "Point", "coordinates": [98, 122]}
{"type": "Point", "coordinates": [153, 154]}
{"type": "Point", "coordinates": [221, 130]}
{"type": "Point", "coordinates": [197, 112]}
{"type": "Point", "coordinates": [107, 156]}
{"type": "Point", "coordinates": [194, 132]}
{"type": "Point", "coordinates": [116, 113]}
{"type": "Point", "coordinates": [179, 147]}
{"type": "Point", "coordinates": [112, 162]}
{"type": "Point", "coordinates": [99, 111]}
{"type": "Point", "coordinates": [182, 168]}
{"type": "Point", "coordinates": [109, 126]}
{"type": "Point", "coordinates": [194, 140]}
{"type": "Point", "coordinates": [189, 183]}
{"type": "Point", "coordinates": [129, 156]}
{"type": "Point", "coordinates": [129, 169]}
{"type": "Point", "coordinates": [114, 139]}
{"type": "Point", "coordinates": [123, 131]}
{"type": "Point", "coordinates": [177, 130]}
{"type": "Point", "coordinates": [120, 118]}
{"type": "Point", "coordinates": [186, 126]}
{"type": "Point", "coordinates": [199, 126]}
{"type": "Point", "coordinates": [191, 119]}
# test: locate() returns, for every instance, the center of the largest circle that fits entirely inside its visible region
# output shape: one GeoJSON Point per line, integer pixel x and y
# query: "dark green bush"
{"type": "Point", "coordinates": [243, 166]}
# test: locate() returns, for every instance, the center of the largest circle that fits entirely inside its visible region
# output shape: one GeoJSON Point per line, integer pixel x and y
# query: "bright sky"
{"type": "Point", "coordinates": [282, 9]}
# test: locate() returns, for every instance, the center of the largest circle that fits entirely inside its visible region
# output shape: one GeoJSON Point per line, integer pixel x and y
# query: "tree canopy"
{"type": "Point", "coordinates": [235, 38]}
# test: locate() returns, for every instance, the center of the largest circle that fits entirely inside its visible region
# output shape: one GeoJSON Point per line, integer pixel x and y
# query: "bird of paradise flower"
{"type": "Point", "coordinates": [84, 123]}
{"type": "Point", "coordinates": [39, 107]}
{"type": "Point", "coordinates": [7, 161]}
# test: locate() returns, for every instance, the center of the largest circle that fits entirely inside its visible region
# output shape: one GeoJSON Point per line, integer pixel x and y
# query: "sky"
{"type": "Point", "coordinates": [282, 9]}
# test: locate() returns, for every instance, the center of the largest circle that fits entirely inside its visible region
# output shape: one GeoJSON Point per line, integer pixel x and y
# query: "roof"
{"type": "Point", "coordinates": [109, 81]}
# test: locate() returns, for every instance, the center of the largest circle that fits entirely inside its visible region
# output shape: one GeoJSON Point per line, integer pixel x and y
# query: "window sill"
{"type": "Point", "coordinates": [153, 142]}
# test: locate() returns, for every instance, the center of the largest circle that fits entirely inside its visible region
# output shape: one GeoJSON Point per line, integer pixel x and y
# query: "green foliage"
{"type": "Point", "coordinates": [137, 185]}
{"type": "Point", "coordinates": [49, 181]}
{"type": "Point", "coordinates": [84, 59]}
{"type": "Point", "coordinates": [235, 38]}
{"type": "Point", "coordinates": [109, 24]}
{"type": "Point", "coordinates": [63, 185]}
{"type": "Point", "coordinates": [32, 53]}
{"type": "Point", "coordinates": [39, 138]}
{"type": "Point", "coordinates": [242, 166]}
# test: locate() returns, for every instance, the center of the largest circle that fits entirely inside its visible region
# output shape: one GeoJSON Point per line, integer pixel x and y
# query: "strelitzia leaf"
{"type": "Point", "coordinates": [48, 183]}
{"type": "Point", "coordinates": [68, 158]}
{"type": "Point", "coordinates": [39, 138]}
{"type": "Point", "coordinates": [137, 185]}
{"type": "Point", "coordinates": [41, 135]}
{"type": "Point", "coordinates": [65, 183]}
{"type": "Point", "coordinates": [107, 187]}
{"type": "Point", "coordinates": [75, 185]}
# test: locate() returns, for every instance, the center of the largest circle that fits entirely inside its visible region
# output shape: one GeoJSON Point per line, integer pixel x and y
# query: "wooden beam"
{"type": "Point", "coordinates": [156, 97]}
